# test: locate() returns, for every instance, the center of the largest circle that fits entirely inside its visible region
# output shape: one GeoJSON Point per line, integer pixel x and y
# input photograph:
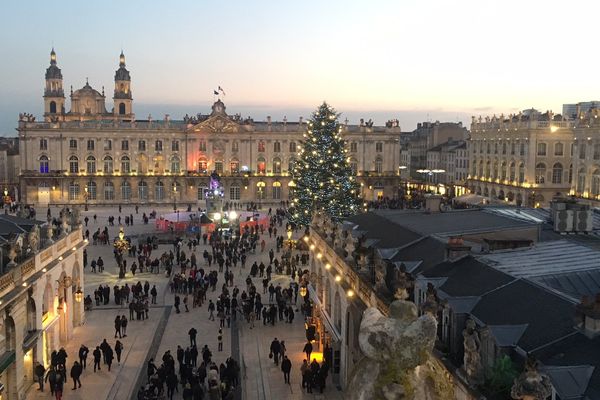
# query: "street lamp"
{"type": "Point", "coordinates": [85, 197]}
{"type": "Point", "coordinates": [174, 197]}
{"type": "Point", "coordinates": [78, 295]}
{"type": "Point", "coordinates": [121, 246]}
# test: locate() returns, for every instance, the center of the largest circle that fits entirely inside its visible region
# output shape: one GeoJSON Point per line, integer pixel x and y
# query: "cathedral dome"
{"type": "Point", "coordinates": [86, 91]}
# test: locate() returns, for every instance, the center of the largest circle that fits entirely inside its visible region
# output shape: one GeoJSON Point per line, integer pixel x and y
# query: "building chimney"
{"type": "Point", "coordinates": [588, 315]}
{"type": "Point", "coordinates": [456, 248]}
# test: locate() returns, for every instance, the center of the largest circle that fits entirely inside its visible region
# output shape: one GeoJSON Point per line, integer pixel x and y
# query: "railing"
{"type": "Point", "coordinates": [507, 126]}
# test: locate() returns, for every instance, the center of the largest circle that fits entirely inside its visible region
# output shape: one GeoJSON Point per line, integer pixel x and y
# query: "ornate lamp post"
{"type": "Point", "coordinates": [174, 197]}
{"type": "Point", "coordinates": [121, 246]}
{"type": "Point", "coordinates": [78, 295]}
{"type": "Point", "coordinates": [85, 198]}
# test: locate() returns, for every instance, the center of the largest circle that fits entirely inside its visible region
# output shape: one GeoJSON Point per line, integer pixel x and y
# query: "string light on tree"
{"type": "Point", "coordinates": [323, 177]}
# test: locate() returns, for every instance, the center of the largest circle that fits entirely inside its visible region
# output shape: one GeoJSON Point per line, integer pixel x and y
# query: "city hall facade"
{"type": "Point", "coordinates": [94, 156]}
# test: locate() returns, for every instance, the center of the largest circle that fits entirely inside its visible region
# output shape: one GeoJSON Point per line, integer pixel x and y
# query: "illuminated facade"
{"type": "Point", "coordinates": [91, 155]}
{"type": "Point", "coordinates": [523, 159]}
{"type": "Point", "coordinates": [40, 303]}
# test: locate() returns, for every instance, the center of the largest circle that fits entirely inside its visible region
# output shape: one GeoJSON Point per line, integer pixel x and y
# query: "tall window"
{"type": "Point", "coordinates": [141, 145]}
{"type": "Point", "coordinates": [234, 166]}
{"type": "Point", "coordinates": [43, 144]}
{"type": "Point", "coordinates": [277, 147]}
{"type": "Point", "coordinates": [522, 149]}
{"type": "Point", "coordinates": [109, 191]}
{"type": "Point", "coordinates": [353, 147]}
{"type": "Point", "coordinates": [540, 173]}
{"type": "Point", "coordinates": [570, 174]}
{"type": "Point", "coordinates": [125, 191]}
{"type": "Point", "coordinates": [73, 164]}
{"type": "Point", "coordinates": [276, 165]}
{"type": "Point", "coordinates": [200, 192]}
{"type": "Point", "coordinates": [503, 170]}
{"type": "Point", "coordinates": [158, 145]}
{"type": "Point", "coordinates": [513, 146]}
{"type": "Point", "coordinates": [558, 149]}
{"type": "Point", "coordinates": [108, 165]}
{"type": "Point", "coordinates": [202, 165]}
{"type": "Point", "coordinates": [92, 191]}
{"type": "Point", "coordinates": [91, 165]}
{"type": "Point", "coordinates": [292, 147]}
{"type": "Point", "coordinates": [175, 145]}
{"type": "Point", "coordinates": [541, 149]}
{"type": "Point", "coordinates": [512, 171]}
{"type": "Point", "coordinates": [354, 166]}
{"type": "Point", "coordinates": [234, 193]}
{"type": "Point", "coordinates": [91, 144]}
{"type": "Point", "coordinates": [291, 163]}
{"type": "Point", "coordinates": [125, 165]}
{"type": "Point", "coordinates": [261, 190]}
{"type": "Point", "coordinates": [261, 165]}
{"type": "Point", "coordinates": [73, 191]}
{"type": "Point", "coordinates": [557, 172]}
{"type": "Point", "coordinates": [495, 170]}
{"type": "Point", "coordinates": [487, 169]}
{"type": "Point", "coordinates": [496, 148]}
{"type": "Point", "coordinates": [379, 147]}
{"type": "Point", "coordinates": [125, 145]}
{"type": "Point", "coordinates": [143, 190]}
{"type": "Point", "coordinates": [159, 191]}
{"type": "Point", "coordinates": [175, 165]}
{"type": "Point", "coordinates": [276, 190]}
{"type": "Point", "coordinates": [582, 151]}
{"type": "Point", "coordinates": [108, 144]}
{"type": "Point", "coordinates": [121, 108]}
{"type": "Point", "coordinates": [219, 167]}
{"type": "Point", "coordinates": [73, 144]}
{"type": "Point", "coordinates": [234, 146]}
{"type": "Point", "coordinates": [503, 147]}
{"type": "Point", "coordinates": [521, 173]}
{"type": "Point", "coordinates": [597, 151]}
{"type": "Point", "coordinates": [378, 165]}
{"type": "Point", "coordinates": [202, 145]}
{"type": "Point", "coordinates": [595, 183]}
{"type": "Point", "coordinates": [44, 165]}
{"type": "Point", "coordinates": [261, 146]}
{"type": "Point", "coordinates": [580, 188]}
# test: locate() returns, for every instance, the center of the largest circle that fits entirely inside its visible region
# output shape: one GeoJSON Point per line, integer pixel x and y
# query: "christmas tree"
{"type": "Point", "coordinates": [323, 177]}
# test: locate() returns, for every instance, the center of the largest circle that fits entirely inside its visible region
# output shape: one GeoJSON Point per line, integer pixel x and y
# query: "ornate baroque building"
{"type": "Point", "coordinates": [91, 155]}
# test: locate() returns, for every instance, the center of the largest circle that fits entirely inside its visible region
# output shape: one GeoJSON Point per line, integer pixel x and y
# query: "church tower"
{"type": "Point", "coordinates": [54, 95]}
{"type": "Point", "coordinates": [122, 98]}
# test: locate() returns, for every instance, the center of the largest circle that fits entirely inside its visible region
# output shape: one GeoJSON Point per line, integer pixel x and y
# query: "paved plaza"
{"type": "Point", "coordinates": [164, 330]}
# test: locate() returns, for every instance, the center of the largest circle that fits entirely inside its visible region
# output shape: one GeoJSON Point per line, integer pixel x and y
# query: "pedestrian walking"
{"type": "Point", "coordinates": [308, 348]}
{"type": "Point", "coordinates": [118, 350]}
{"type": "Point", "coordinates": [275, 350]}
{"type": "Point", "coordinates": [40, 371]}
{"type": "Point", "coordinates": [220, 340]}
{"type": "Point", "coordinates": [286, 367]}
{"type": "Point", "coordinates": [97, 357]}
{"type": "Point", "coordinates": [118, 326]}
{"type": "Point", "coordinates": [124, 325]}
{"type": "Point", "coordinates": [76, 371]}
{"type": "Point", "coordinates": [192, 332]}
{"type": "Point", "coordinates": [83, 353]}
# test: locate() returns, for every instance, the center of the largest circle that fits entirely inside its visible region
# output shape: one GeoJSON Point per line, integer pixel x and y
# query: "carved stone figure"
{"type": "Point", "coordinates": [65, 227]}
{"type": "Point", "coordinates": [472, 357]}
{"type": "Point", "coordinates": [350, 247]}
{"type": "Point", "coordinates": [394, 347]}
{"type": "Point", "coordinates": [75, 217]}
{"type": "Point", "coordinates": [33, 239]}
{"type": "Point", "coordinates": [531, 384]}
{"type": "Point", "coordinates": [12, 254]}
{"type": "Point", "coordinates": [49, 232]}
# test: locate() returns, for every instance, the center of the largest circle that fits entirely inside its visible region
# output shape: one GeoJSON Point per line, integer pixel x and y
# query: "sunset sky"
{"type": "Point", "coordinates": [411, 60]}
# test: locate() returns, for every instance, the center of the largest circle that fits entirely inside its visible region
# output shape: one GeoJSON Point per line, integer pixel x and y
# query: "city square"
{"type": "Point", "coordinates": [299, 200]}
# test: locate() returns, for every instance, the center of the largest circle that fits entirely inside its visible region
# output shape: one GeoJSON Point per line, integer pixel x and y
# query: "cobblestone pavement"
{"type": "Point", "coordinates": [262, 380]}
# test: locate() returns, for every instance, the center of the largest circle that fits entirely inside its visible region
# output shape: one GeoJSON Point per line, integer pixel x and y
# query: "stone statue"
{"type": "Point", "coordinates": [75, 217]}
{"type": "Point", "coordinates": [394, 347]}
{"type": "Point", "coordinates": [472, 357]}
{"type": "Point", "coordinates": [350, 247]}
{"type": "Point", "coordinates": [12, 254]}
{"type": "Point", "coordinates": [65, 227]}
{"type": "Point", "coordinates": [531, 385]}
{"type": "Point", "coordinates": [33, 239]}
{"type": "Point", "coordinates": [49, 233]}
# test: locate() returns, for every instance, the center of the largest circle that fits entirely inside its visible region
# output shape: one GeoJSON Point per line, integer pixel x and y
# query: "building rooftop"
{"type": "Point", "coordinates": [387, 233]}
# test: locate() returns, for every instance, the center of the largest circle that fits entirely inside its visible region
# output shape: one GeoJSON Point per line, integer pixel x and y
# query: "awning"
{"type": "Point", "coordinates": [30, 339]}
{"type": "Point", "coordinates": [335, 335]}
{"type": "Point", "coordinates": [6, 359]}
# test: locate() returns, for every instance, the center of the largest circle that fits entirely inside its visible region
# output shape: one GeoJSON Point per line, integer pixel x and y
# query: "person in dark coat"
{"type": "Point", "coordinates": [76, 371]}
{"type": "Point", "coordinates": [308, 348]}
{"type": "Point", "coordinates": [83, 353]}
{"type": "Point", "coordinates": [118, 350]}
{"type": "Point", "coordinates": [59, 383]}
{"type": "Point", "coordinates": [286, 367]}
{"type": "Point", "coordinates": [97, 356]}
{"type": "Point", "coordinates": [109, 357]}
{"type": "Point", "coordinates": [40, 371]}
{"type": "Point", "coordinates": [51, 379]}
{"type": "Point", "coordinates": [118, 326]}
{"type": "Point", "coordinates": [275, 350]}
{"type": "Point", "coordinates": [171, 385]}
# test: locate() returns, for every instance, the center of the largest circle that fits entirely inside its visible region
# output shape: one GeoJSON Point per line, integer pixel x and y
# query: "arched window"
{"type": "Point", "coordinates": [261, 190]}
{"type": "Point", "coordinates": [495, 170]}
{"type": "Point", "coordinates": [521, 173]}
{"type": "Point", "coordinates": [291, 188]}
{"type": "Point", "coordinates": [291, 163]}
{"type": "Point", "coordinates": [234, 192]}
{"type": "Point", "coordinates": [175, 165]}
{"type": "Point", "coordinates": [582, 151]}
{"type": "Point", "coordinates": [202, 165]}
{"type": "Point", "coordinates": [277, 165]}
{"type": "Point", "coordinates": [292, 147]}
{"type": "Point", "coordinates": [354, 166]}
{"type": "Point", "coordinates": [91, 165]}
{"type": "Point", "coordinates": [513, 146]}
{"type": "Point", "coordinates": [121, 108]}
{"type": "Point", "coordinates": [109, 191]}
{"type": "Point", "coordinates": [595, 183]}
{"type": "Point", "coordinates": [261, 165]}
{"type": "Point", "coordinates": [108, 165]}
{"type": "Point", "coordinates": [571, 174]}
{"type": "Point", "coordinates": [522, 149]}
{"type": "Point", "coordinates": [143, 191]}
{"type": "Point", "coordinates": [158, 145]}
{"type": "Point", "coordinates": [474, 167]}
{"type": "Point", "coordinates": [276, 147]}
{"type": "Point", "coordinates": [503, 147]}
{"type": "Point", "coordinates": [597, 151]}
{"type": "Point", "coordinates": [52, 107]}
{"type": "Point", "coordinates": [496, 148]}
{"type": "Point", "coordinates": [142, 164]}
{"type": "Point", "coordinates": [73, 191]}
{"type": "Point", "coordinates": [481, 173]}
{"type": "Point", "coordinates": [503, 170]}
{"type": "Point", "coordinates": [580, 188]}
{"type": "Point", "coordinates": [44, 165]}
{"type": "Point", "coordinates": [379, 165]}
{"type": "Point", "coordinates": [234, 166]}
{"type": "Point", "coordinates": [557, 172]}
{"type": "Point", "coordinates": [159, 191]}
{"type": "Point", "coordinates": [276, 190]}
{"type": "Point", "coordinates": [125, 191]}
{"type": "Point", "coordinates": [558, 149]}
{"type": "Point", "coordinates": [511, 176]}
{"type": "Point", "coordinates": [540, 173]}
{"type": "Point", "coordinates": [261, 146]}
{"type": "Point", "coordinates": [125, 165]}
{"type": "Point", "coordinates": [234, 146]}
{"type": "Point", "coordinates": [337, 311]}
{"type": "Point", "coordinates": [73, 164]}
{"type": "Point", "coordinates": [541, 149]}
{"type": "Point", "coordinates": [219, 167]}
{"type": "Point", "coordinates": [92, 191]}
{"type": "Point", "coordinates": [487, 169]}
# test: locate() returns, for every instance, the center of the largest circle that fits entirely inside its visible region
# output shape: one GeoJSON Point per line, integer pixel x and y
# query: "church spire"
{"type": "Point", "coordinates": [122, 59]}
{"type": "Point", "coordinates": [52, 57]}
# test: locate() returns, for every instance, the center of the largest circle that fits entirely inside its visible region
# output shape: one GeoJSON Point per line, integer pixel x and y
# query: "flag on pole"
{"type": "Point", "coordinates": [221, 90]}
{"type": "Point", "coordinates": [215, 93]}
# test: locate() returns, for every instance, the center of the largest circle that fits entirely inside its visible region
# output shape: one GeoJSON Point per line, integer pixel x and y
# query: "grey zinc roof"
{"type": "Point", "coordinates": [507, 335]}
{"type": "Point", "coordinates": [573, 284]}
{"type": "Point", "coordinates": [390, 234]}
{"type": "Point", "coordinates": [570, 382]}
